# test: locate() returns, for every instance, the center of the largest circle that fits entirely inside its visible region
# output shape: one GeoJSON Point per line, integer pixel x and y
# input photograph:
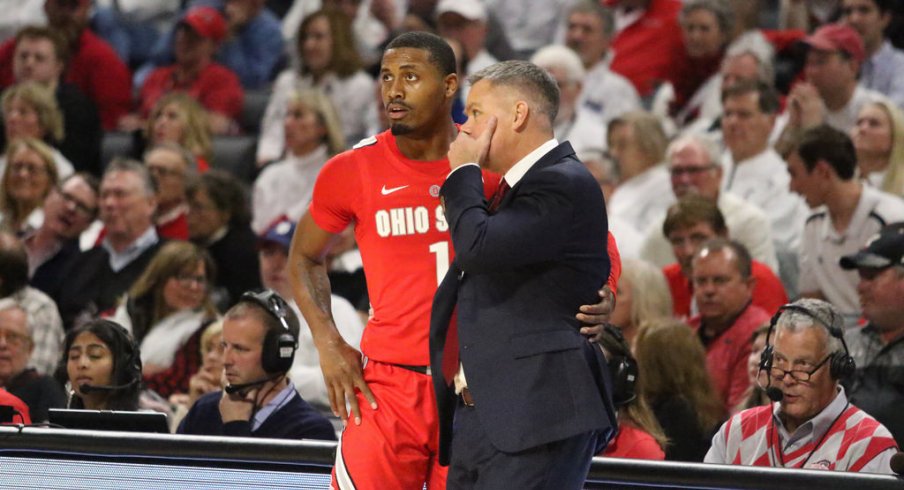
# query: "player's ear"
{"type": "Point", "coordinates": [451, 85]}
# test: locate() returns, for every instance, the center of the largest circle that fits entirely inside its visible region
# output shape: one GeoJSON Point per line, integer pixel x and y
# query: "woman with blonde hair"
{"type": "Point", "coordinates": [330, 62]}
{"type": "Point", "coordinates": [643, 297]}
{"type": "Point", "coordinates": [31, 111]}
{"type": "Point", "coordinates": [313, 135]}
{"type": "Point", "coordinates": [179, 118]}
{"type": "Point", "coordinates": [165, 311]}
{"type": "Point", "coordinates": [28, 178]}
{"type": "Point", "coordinates": [672, 376]}
{"type": "Point", "coordinates": [878, 138]}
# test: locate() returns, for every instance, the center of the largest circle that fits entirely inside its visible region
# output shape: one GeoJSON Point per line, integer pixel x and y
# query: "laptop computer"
{"type": "Point", "coordinates": [109, 420]}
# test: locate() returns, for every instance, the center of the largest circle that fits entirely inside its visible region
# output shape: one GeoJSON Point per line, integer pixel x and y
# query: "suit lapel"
{"type": "Point", "coordinates": [556, 155]}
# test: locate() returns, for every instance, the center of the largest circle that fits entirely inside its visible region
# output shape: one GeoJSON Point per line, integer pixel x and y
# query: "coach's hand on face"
{"type": "Point", "coordinates": [468, 149]}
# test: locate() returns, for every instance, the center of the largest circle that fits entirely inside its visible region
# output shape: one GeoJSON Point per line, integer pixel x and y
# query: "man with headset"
{"type": "Point", "coordinates": [259, 338]}
{"type": "Point", "coordinates": [811, 423]}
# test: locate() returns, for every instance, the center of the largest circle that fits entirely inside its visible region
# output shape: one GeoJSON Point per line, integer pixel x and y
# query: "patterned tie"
{"type": "Point", "coordinates": [498, 195]}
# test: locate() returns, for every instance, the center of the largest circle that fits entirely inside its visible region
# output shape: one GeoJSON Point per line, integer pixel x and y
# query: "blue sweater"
{"type": "Point", "coordinates": [294, 420]}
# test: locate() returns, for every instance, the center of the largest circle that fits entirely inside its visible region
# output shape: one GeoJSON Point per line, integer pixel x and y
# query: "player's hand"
{"type": "Point", "coordinates": [343, 372]}
{"type": "Point", "coordinates": [467, 149]}
{"type": "Point", "coordinates": [593, 317]}
{"type": "Point", "coordinates": [237, 406]}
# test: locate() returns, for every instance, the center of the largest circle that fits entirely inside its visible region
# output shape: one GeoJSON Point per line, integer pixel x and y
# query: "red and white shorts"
{"type": "Point", "coordinates": [396, 445]}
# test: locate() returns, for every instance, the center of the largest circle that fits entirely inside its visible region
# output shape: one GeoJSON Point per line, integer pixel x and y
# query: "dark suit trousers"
{"type": "Point", "coordinates": [477, 464]}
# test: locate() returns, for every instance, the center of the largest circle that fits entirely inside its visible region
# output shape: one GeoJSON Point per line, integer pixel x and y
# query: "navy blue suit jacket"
{"type": "Point", "coordinates": [518, 279]}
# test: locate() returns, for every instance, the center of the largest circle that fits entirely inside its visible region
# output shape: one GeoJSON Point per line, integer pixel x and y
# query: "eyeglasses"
{"type": "Point", "coordinates": [797, 374]}
{"type": "Point", "coordinates": [80, 207]}
{"type": "Point", "coordinates": [13, 339]}
{"type": "Point", "coordinates": [189, 280]}
{"type": "Point", "coordinates": [28, 168]}
{"type": "Point", "coordinates": [691, 171]}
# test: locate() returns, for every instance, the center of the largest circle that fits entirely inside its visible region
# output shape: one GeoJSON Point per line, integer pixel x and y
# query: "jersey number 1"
{"type": "Point", "coordinates": [441, 249]}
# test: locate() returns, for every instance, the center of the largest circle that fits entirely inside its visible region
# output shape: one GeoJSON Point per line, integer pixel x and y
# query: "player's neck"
{"type": "Point", "coordinates": [428, 144]}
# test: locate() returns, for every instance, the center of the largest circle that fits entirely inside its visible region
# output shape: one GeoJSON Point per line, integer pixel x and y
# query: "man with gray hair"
{"type": "Point", "coordinates": [583, 129]}
{"type": "Point", "coordinates": [96, 278]}
{"type": "Point", "coordinates": [546, 224]}
{"type": "Point", "coordinates": [811, 424]}
{"type": "Point", "coordinates": [17, 342]}
{"type": "Point", "coordinates": [693, 163]}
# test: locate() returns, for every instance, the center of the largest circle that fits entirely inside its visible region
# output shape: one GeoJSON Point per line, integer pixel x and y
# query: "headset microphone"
{"type": "Point", "coordinates": [897, 463]}
{"type": "Point", "coordinates": [240, 388]}
{"type": "Point", "coordinates": [86, 388]}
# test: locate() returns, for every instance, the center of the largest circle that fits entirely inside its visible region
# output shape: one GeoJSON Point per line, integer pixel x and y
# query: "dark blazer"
{"type": "Point", "coordinates": [518, 279]}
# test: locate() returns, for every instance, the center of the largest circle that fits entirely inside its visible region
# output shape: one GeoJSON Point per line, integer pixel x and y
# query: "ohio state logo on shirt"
{"type": "Point", "coordinates": [409, 220]}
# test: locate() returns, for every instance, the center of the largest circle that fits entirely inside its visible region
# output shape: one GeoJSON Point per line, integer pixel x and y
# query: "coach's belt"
{"type": "Point", "coordinates": [466, 397]}
{"type": "Point", "coordinates": [417, 369]}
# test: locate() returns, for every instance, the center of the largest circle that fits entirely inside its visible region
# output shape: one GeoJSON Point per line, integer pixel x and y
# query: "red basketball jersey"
{"type": "Point", "coordinates": [402, 234]}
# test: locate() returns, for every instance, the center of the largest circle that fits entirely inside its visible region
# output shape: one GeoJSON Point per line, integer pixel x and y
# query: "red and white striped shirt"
{"type": "Point", "coordinates": [841, 437]}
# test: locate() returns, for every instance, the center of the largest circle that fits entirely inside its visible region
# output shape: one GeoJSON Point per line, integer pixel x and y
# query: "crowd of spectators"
{"type": "Point", "coordinates": [750, 153]}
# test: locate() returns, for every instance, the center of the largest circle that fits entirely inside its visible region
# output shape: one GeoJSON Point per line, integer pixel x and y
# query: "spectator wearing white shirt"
{"type": "Point", "coordinates": [329, 62]}
{"type": "Point", "coordinates": [637, 143]}
{"type": "Point", "coordinates": [693, 163]}
{"type": "Point", "coordinates": [313, 135]}
{"type": "Point", "coordinates": [605, 94]}
{"type": "Point", "coordinates": [755, 172]}
{"type": "Point", "coordinates": [846, 214]}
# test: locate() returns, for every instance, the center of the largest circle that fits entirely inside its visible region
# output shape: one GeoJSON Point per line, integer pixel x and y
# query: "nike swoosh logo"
{"type": "Point", "coordinates": [387, 192]}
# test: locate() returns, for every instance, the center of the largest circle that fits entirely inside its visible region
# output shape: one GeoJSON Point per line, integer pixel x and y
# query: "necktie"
{"type": "Point", "coordinates": [498, 195]}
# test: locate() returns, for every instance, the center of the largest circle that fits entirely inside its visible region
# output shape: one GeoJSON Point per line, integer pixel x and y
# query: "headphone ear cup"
{"type": "Point", "coordinates": [278, 352]}
{"type": "Point", "coordinates": [624, 379]}
{"type": "Point", "coordinates": [842, 365]}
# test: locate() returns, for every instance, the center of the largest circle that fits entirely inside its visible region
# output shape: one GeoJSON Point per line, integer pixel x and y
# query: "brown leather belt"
{"type": "Point", "coordinates": [466, 397]}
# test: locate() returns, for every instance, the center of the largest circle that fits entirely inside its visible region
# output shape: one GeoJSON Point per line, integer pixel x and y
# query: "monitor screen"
{"type": "Point", "coordinates": [108, 420]}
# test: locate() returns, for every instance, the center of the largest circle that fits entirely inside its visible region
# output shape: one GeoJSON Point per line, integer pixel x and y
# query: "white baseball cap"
{"type": "Point", "coordinates": [469, 9]}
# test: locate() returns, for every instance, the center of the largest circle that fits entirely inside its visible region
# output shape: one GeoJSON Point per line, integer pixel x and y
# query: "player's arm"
{"type": "Point", "coordinates": [594, 317]}
{"type": "Point", "coordinates": [341, 363]}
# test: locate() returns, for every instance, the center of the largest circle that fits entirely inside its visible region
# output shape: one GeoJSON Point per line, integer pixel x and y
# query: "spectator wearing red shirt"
{"type": "Point", "coordinates": [216, 87]}
{"type": "Point", "coordinates": [691, 222]}
{"type": "Point", "coordinates": [646, 31]}
{"type": "Point", "coordinates": [723, 288]}
{"type": "Point", "coordinates": [93, 65]}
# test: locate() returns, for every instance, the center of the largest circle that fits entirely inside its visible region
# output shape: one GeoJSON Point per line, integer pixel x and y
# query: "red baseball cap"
{"type": "Point", "coordinates": [838, 37]}
{"type": "Point", "coordinates": [207, 22]}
